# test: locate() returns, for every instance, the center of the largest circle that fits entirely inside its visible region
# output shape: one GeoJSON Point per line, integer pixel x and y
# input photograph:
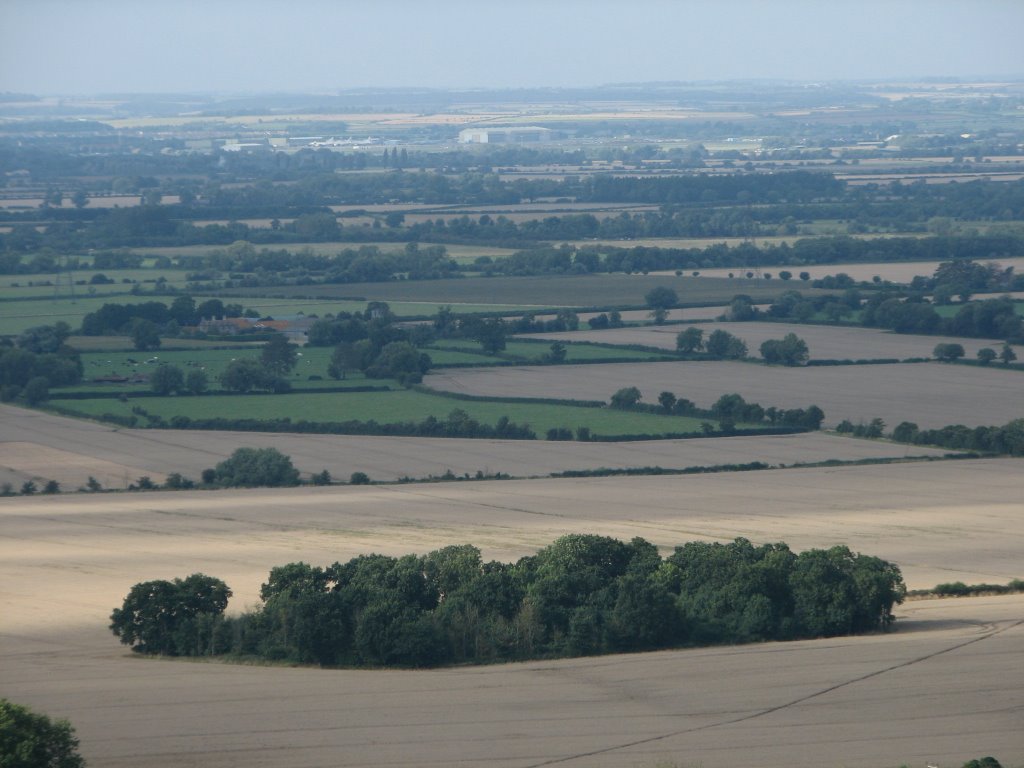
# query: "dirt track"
{"type": "Point", "coordinates": [47, 447]}
{"type": "Point", "coordinates": [944, 688]}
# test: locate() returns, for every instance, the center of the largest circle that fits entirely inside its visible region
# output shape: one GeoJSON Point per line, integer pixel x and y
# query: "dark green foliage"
{"type": "Point", "coordinates": [724, 345]}
{"type": "Point", "coordinates": [986, 355]}
{"type": "Point", "coordinates": [278, 355]}
{"type": "Point", "coordinates": [583, 594]}
{"type": "Point", "coordinates": [167, 379]}
{"type": "Point", "coordinates": [250, 467]}
{"type": "Point", "coordinates": [984, 762]}
{"type": "Point", "coordinates": [627, 397]}
{"type": "Point", "coordinates": [175, 618]}
{"type": "Point", "coordinates": [690, 340]}
{"type": "Point", "coordinates": [321, 478]}
{"type": "Point", "coordinates": [36, 390]}
{"type": "Point", "coordinates": [30, 740]}
{"type": "Point", "coordinates": [1008, 439]}
{"type": "Point", "coordinates": [246, 374]}
{"type": "Point", "coordinates": [359, 478]}
{"type": "Point", "coordinates": [791, 350]}
{"type": "Point", "coordinates": [144, 334]}
{"type": "Point", "coordinates": [948, 352]}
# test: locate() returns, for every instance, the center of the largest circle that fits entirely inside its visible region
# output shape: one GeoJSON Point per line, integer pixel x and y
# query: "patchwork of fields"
{"type": "Point", "coordinates": [943, 686]}
{"type": "Point", "coordinates": [931, 395]}
{"type": "Point", "coordinates": [43, 447]}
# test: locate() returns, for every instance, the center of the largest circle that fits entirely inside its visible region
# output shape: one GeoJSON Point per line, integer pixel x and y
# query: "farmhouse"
{"type": "Point", "coordinates": [505, 135]}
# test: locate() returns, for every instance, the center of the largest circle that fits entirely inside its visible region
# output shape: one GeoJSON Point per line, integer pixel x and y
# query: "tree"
{"type": "Point", "coordinates": [667, 400]}
{"type": "Point", "coordinates": [30, 740]}
{"type": "Point", "coordinates": [690, 340]}
{"type": "Point", "coordinates": [196, 382]}
{"type": "Point", "coordinates": [490, 333]}
{"type": "Point", "coordinates": [402, 361]}
{"type": "Point", "coordinates": [246, 373]}
{"type": "Point", "coordinates": [167, 379]}
{"type": "Point", "coordinates": [1007, 355]}
{"type": "Point", "coordinates": [790, 350]}
{"type": "Point", "coordinates": [661, 300]}
{"type": "Point", "coordinates": [251, 467]}
{"type": "Point", "coordinates": [986, 355]}
{"type": "Point", "coordinates": [724, 345]}
{"type": "Point", "coordinates": [145, 334]}
{"type": "Point", "coordinates": [279, 355]}
{"type": "Point", "coordinates": [166, 616]}
{"type": "Point", "coordinates": [948, 352]}
{"type": "Point", "coordinates": [347, 356]}
{"type": "Point", "coordinates": [36, 390]}
{"type": "Point", "coordinates": [556, 354]}
{"type": "Point", "coordinates": [627, 397]}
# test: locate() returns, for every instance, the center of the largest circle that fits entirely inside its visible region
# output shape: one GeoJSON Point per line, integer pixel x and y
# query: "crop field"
{"type": "Point", "coordinates": [823, 342]}
{"type": "Point", "coordinates": [42, 446]}
{"type": "Point", "coordinates": [896, 272]}
{"type": "Point", "coordinates": [539, 292]}
{"type": "Point", "coordinates": [389, 407]}
{"type": "Point", "coordinates": [931, 395]}
{"type": "Point", "coordinates": [942, 688]}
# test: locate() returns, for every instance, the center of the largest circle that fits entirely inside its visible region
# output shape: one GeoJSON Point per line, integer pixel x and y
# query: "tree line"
{"type": "Point", "coordinates": [581, 595]}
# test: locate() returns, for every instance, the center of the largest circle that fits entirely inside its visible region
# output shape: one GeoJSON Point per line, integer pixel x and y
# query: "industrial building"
{"type": "Point", "coordinates": [505, 135]}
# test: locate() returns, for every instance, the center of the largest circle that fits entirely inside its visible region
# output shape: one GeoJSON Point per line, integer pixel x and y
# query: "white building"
{"type": "Point", "coordinates": [505, 135]}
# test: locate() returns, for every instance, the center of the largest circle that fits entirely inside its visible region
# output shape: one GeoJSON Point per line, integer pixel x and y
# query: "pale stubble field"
{"type": "Point", "coordinates": [943, 687]}
{"type": "Point", "coordinates": [931, 395]}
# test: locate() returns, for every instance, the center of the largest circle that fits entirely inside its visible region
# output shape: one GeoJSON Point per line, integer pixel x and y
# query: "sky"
{"type": "Point", "coordinates": [66, 47]}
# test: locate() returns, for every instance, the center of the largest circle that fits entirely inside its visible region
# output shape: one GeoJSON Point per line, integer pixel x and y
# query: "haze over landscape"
{"type": "Point", "coordinates": [118, 46]}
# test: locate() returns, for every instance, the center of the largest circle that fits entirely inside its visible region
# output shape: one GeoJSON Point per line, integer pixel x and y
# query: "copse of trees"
{"type": "Point", "coordinates": [1007, 439]}
{"type": "Point", "coordinates": [583, 594]}
{"type": "Point", "coordinates": [249, 467]}
{"type": "Point", "coordinates": [40, 360]}
{"type": "Point", "coordinates": [790, 350]}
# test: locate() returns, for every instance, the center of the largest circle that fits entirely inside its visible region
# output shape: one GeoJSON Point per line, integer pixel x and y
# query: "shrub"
{"type": "Point", "coordinates": [252, 467]}
{"type": "Point", "coordinates": [359, 478]}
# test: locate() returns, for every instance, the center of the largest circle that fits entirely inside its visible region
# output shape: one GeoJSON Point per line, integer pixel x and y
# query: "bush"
{"type": "Point", "coordinates": [30, 740]}
{"type": "Point", "coordinates": [359, 478]}
{"type": "Point", "coordinates": [253, 467]}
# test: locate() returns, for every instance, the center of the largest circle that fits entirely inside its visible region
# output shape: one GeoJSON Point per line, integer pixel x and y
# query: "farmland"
{"type": "Point", "coordinates": [929, 394]}
{"type": "Point", "coordinates": [823, 342]}
{"type": "Point", "coordinates": [802, 703]}
{"type": "Point", "coordinates": [279, 207]}
{"type": "Point", "coordinates": [539, 292]}
{"type": "Point", "coordinates": [41, 447]}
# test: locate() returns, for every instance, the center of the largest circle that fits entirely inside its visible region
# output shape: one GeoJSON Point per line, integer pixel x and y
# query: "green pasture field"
{"type": "Point", "coordinates": [950, 310]}
{"type": "Point", "coordinates": [540, 292]}
{"type": "Point", "coordinates": [213, 357]}
{"type": "Point", "coordinates": [388, 407]}
{"type": "Point", "coordinates": [535, 350]}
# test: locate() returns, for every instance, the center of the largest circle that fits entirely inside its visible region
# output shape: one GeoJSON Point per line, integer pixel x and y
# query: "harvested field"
{"type": "Point", "coordinates": [117, 457]}
{"type": "Point", "coordinates": [823, 342]}
{"type": "Point", "coordinates": [896, 272]}
{"type": "Point", "coordinates": [943, 688]}
{"type": "Point", "coordinates": [930, 394]}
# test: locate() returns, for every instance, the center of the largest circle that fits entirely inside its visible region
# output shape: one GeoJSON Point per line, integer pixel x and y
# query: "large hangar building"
{"type": "Point", "coordinates": [505, 135]}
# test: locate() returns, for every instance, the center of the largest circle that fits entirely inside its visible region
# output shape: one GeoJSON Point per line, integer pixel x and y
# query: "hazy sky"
{"type": "Point", "coordinates": [91, 46]}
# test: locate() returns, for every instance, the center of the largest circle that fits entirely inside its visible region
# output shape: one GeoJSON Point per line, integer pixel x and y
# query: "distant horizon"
{"type": "Point", "coordinates": [73, 47]}
{"type": "Point", "coordinates": [923, 80]}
